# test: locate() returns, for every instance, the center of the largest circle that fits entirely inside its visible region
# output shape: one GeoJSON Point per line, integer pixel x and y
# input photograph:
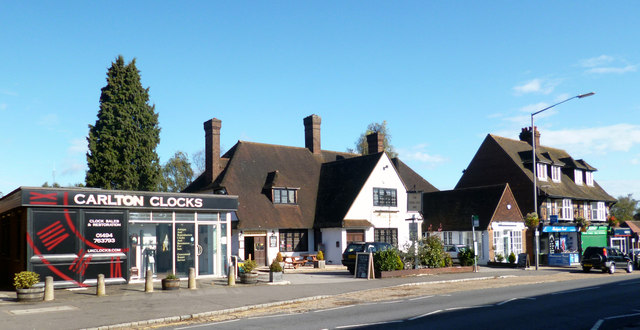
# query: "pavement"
{"type": "Point", "coordinates": [127, 305]}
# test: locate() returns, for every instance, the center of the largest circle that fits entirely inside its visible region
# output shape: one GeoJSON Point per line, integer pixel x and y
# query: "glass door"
{"type": "Point", "coordinates": [207, 249]}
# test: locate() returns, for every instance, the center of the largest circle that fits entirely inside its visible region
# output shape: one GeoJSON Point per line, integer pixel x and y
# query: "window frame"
{"type": "Point", "coordinates": [589, 178]}
{"type": "Point", "coordinates": [293, 240]}
{"type": "Point", "coordinates": [567, 209]}
{"type": "Point", "coordinates": [541, 169]}
{"type": "Point", "coordinates": [556, 173]}
{"type": "Point", "coordinates": [577, 176]}
{"type": "Point", "coordinates": [380, 235]}
{"type": "Point", "coordinates": [384, 199]}
{"type": "Point", "coordinates": [290, 196]}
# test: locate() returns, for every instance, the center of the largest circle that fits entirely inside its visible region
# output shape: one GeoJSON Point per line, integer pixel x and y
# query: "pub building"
{"type": "Point", "coordinates": [74, 234]}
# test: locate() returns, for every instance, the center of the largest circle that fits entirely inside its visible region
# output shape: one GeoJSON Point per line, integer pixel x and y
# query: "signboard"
{"type": "Point", "coordinates": [553, 219]}
{"type": "Point", "coordinates": [622, 232]}
{"type": "Point", "coordinates": [413, 231]}
{"type": "Point", "coordinates": [559, 229]}
{"type": "Point", "coordinates": [364, 266]}
{"type": "Point", "coordinates": [523, 260]}
{"type": "Point", "coordinates": [475, 220]}
{"type": "Point", "coordinates": [414, 201]}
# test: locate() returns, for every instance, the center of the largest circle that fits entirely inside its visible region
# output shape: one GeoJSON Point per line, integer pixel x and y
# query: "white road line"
{"type": "Point", "coordinates": [206, 325]}
{"type": "Point", "coordinates": [600, 321]}
{"type": "Point", "coordinates": [332, 309]}
{"type": "Point", "coordinates": [576, 290]}
{"type": "Point", "coordinates": [457, 308]}
{"type": "Point", "coordinates": [391, 302]}
{"type": "Point", "coordinates": [269, 316]}
{"type": "Point", "coordinates": [366, 324]}
{"type": "Point", "coordinates": [512, 299]}
{"type": "Point", "coordinates": [423, 315]}
{"type": "Point", "coordinates": [42, 310]}
{"type": "Point", "coordinates": [597, 325]}
{"type": "Point", "coordinates": [425, 297]}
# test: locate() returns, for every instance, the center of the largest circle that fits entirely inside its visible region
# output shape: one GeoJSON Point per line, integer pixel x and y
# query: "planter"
{"type": "Point", "coordinates": [31, 294]}
{"type": "Point", "coordinates": [249, 278]}
{"type": "Point", "coordinates": [170, 284]}
{"type": "Point", "coordinates": [319, 264]}
{"type": "Point", "coordinates": [276, 277]}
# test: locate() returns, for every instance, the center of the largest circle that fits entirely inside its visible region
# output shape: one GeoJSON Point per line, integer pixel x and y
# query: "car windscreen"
{"type": "Point", "coordinates": [354, 248]}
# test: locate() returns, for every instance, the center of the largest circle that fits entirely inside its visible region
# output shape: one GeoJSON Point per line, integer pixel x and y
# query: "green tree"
{"type": "Point", "coordinates": [54, 185]}
{"type": "Point", "coordinates": [177, 173]}
{"type": "Point", "coordinates": [362, 147]}
{"type": "Point", "coordinates": [122, 143]}
{"type": "Point", "coordinates": [625, 208]}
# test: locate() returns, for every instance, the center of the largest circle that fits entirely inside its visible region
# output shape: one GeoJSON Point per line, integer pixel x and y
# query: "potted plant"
{"type": "Point", "coordinates": [280, 260]}
{"type": "Point", "coordinates": [26, 290]}
{"type": "Point", "coordinates": [512, 258]}
{"type": "Point", "coordinates": [170, 282]}
{"type": "Point", "coordinates": [275, 271]}
{"type": "Point", "coordinates": [499, 257]}
{"type": "Point", "coordinates": [531, 220]}
{"type": "Point", "coordinates": [247, 274]}
{"type": "Point", "coordinates": [582, 223]}
{"type": "Point", "coordinates": [320, 263]}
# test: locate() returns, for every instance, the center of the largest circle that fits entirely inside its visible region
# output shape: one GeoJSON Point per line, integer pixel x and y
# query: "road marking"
{"type": "Point", "coordinates": [512, 299]}
{"type": "Point", "coordinates": [42, 310]}
{"type": "Point", "coordinates": [332, 309]}
{"type": "Point", "coordinates": [576, 290]}
{"type": "Point", "coordinates": [206, 325]}
{"type": "Point", "coordinates": [457, 308]}
{"type": "Point", "coordinates": [390, 302]}
{"type": "Point", "coordinates": [425, 297]}
{"type": "Point", "coordinates": [269, 316]}
{"type": "Point", "coordinates": [600, 321]}
{"type": "Point", "coordinates": [366, 324]}
{"type": "Point", "coordinates": [423, 315]}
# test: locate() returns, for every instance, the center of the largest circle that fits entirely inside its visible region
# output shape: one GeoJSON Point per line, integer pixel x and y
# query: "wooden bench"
{"type": "Point", "coordinates": [294, 262]}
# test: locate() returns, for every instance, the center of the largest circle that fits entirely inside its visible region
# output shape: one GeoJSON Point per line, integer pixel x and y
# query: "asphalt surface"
{"type": "Point", "coordinates": [129, 306]}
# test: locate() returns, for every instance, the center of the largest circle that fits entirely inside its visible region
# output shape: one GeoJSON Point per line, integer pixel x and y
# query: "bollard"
{"type": "Point", "coordinates": [148, 281]}
{"type": "Point", "coordinates": [100, 291]}
{"type": "Point", "coordinates": [231, 276]}
{"type": "Point", "coordinates": [192, 278]}
{"type": "Point", "coordinates": [48, 288]}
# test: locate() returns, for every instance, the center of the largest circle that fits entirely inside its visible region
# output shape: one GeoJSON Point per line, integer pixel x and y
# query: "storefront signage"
{"type": "Point", "coordinates": [559, 229]}
{"type": "Point", "coordinates": [98, 198]}
{"type": "Point", "coordinates": [622, 232]}
{"type": "Point", "coordinates": [596, 231]}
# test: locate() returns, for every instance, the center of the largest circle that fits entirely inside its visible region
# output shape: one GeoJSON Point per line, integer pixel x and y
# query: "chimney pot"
{"type": "Point", "coordinates": [525, 135]}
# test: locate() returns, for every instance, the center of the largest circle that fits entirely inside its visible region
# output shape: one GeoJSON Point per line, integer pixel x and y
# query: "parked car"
{"type": "Point", "coordinates": [606, 259]}
{"type": "Point", "coordinates": [453, 250]}
{"type": "Point", "coordinates": [349, 254]}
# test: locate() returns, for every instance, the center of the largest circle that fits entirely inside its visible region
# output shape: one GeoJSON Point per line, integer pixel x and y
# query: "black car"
{"type": "Point", "coordinates": [349, 255]}
{"type": "Point", "coordinates": [606, 259]}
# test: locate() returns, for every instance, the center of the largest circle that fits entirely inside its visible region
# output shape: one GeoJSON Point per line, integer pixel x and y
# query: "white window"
{"type": "Point", "coordinates": [598, 211]}
{"type": "Point", "coordinates": [586, 213]}
{"type": "Point", "coordinates": [556, 173]}
{"type": "Point", "coordinates": [577, 174]}
{"type": "Point", "coordinates": [498, 243]}
{"type": "Point", "coordinates": [516, 242]}
{"type": "Point", "coordinates": [567, 209]}
{"type": "Point", "coordinates": [589, 177]}
{"type": "Point", "coordinates": [542, 171]}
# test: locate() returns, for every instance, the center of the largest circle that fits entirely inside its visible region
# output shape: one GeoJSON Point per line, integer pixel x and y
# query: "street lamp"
{"type": "Point", "coordinates": [535, 175]}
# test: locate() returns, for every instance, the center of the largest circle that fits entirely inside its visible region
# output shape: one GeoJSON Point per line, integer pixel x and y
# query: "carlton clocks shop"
{"type": "Point", "coordinates": [76, 234]}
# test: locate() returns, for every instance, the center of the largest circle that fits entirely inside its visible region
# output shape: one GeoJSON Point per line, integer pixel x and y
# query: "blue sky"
{"type": "Point", "coordinates": [442, 74]}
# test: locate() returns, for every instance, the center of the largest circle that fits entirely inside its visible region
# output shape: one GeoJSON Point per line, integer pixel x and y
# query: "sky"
{"type": "Point", "coordinates": [442, 74]}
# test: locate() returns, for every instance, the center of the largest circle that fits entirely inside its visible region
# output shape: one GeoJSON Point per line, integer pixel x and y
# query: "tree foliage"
{"type": "Point", "coordinates": [625, 208]}
{"type": "Point", "coordinates": [361, 146]}
{"type": "Point", "coordinates": [177, 173]}
{"type": "Point", "coordinates": [122, 143]}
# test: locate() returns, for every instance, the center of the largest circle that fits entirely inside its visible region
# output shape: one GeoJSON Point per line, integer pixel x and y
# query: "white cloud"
{"type": "Point", "coordinates": [418, 153]}
{"type": "Point", "coordinates": [617, 188]}
{"type": "Point", "coordinates": [595, 140]}
{"type": "Point", "coordinates": [538, 85]}
{"type": "Point", "coordinates": [77, 146]}
{"type": "Point", "coordinates": [605, 64]}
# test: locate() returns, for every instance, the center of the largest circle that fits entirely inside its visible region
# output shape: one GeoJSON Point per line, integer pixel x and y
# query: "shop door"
{"type": "Point", "coordinates": [355, 236]}
{"type": "Point", "coordinates": [207, 249]}
{"type": "Point", "coordinates": [259, 250]}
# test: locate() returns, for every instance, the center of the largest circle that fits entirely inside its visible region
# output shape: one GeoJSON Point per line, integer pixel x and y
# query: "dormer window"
{"type": "Point", "coordinates": [284, 196]}
{"type": "Point", "coordinates": [589, 178]}
{"type": "Point", "coordinates": [577, 177]}
{"type": "Point", "coordinates": [541, 171]}
{"type": "Point", "coordinates": [556, 173]}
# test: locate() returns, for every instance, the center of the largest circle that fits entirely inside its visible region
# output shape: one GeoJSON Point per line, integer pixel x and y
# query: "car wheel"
{"type": "Point", "coordinates": [586, 269]}
{"type": "Point", "coordinates": [629, 267]}
{"type": "Point", "coordinates": [351, 270]}
{"type": "Point", "coordinates": [612, 269]}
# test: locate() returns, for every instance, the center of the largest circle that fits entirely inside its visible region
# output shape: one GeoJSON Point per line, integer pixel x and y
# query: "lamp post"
{"type": "Point", "coordinates": [535, 175]}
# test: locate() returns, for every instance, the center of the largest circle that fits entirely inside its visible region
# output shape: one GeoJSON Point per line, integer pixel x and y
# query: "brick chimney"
{"type": "Point", "coordinates": [375, 143]}
{"type": "Point", "coordinates": [312, 133]}
{"type": "Point", "coordinates": [212, 148]}
{"type": "Point", "coordinates": [525, 135]}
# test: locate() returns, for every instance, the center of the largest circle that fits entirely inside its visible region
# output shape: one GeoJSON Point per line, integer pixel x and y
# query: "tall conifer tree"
{"type": "Point", "coordinates": [122, 144]}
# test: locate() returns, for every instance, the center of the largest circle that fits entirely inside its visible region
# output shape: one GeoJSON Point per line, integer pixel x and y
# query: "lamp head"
{"type": "Point", "coordinates": [585, 95]}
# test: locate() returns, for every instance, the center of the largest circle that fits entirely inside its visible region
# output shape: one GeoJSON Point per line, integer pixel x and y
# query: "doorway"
{"type": "Point", "coordinates": [254, 246]}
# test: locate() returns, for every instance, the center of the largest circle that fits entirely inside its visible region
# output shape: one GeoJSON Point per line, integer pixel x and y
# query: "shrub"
{"type": "Point", "coordinates": [532, 220]}
{"type": "Point", "coordinates": [431, 252]}
{"type": "Point", "coordinates": [25, 279]}
{"type": "Point", "coordinates": [387, 260]}
{"type": "Point", "coordinates": [466, 257]}
{"type": "Point", "coordinates": [275, 266]}
{"type": "Point", "coordinates": [512, 258]}
{"type": "Point", "coordinates": [279, 257]}
{"type": "Point", "coordinates": [499, 257]}
{"type": "Point", "coordinates": [320, 255]}
{"type": "Point", "coordinates": [171, 276]}
{"type": "Point", "coordinates": [249, 266]}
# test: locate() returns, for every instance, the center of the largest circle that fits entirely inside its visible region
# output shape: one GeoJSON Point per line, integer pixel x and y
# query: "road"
{"type": "Point", "coordinates": [605, 302]}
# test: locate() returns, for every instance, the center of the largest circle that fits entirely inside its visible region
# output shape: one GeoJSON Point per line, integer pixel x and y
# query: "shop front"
{"type": "Point", "coordinates": [620, 238]}
{"type": "Point", "coordinates": [594, 236]}
{"type": "Point", "coordinates": [560, 244]}
{"type": "Point", "coordinates": [76, 234]}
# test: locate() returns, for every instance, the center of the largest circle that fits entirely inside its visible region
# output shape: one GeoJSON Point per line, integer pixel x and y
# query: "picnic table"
{"type": "Point", "coordinates": [294, 261]}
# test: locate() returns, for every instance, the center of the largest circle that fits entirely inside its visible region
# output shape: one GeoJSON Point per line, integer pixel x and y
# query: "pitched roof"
{"type": "Point", "coordinates": [329, 181]}
{"type": "Point", "coordinates": [411, 179]}
{"type": "Point", "coordinates": [520, 154]}
{"type": "Point", "coordinates": [452, 209]}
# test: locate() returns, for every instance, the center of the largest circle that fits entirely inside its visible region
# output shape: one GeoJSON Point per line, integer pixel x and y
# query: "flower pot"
{"type": "Point", "coordinates": [319, 264]}
{"type": "Point", "coordinates": [170, 284]}
{"type": "Point", "coordinates": [31, 294]}
{"type": "Point", "coordinates": [276, 276]}
{"type": "Point", "coordinates": [249, 278]}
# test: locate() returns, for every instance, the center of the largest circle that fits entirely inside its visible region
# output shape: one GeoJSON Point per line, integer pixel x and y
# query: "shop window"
{"type": "Point", "coordinates": [185, 217]}
{"type": "Point", "coordinates": [387, 235]}
{"type": "Point", "coordinates": [293, 240]}
{"type": "Point", "coordinates": [207, 216]}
